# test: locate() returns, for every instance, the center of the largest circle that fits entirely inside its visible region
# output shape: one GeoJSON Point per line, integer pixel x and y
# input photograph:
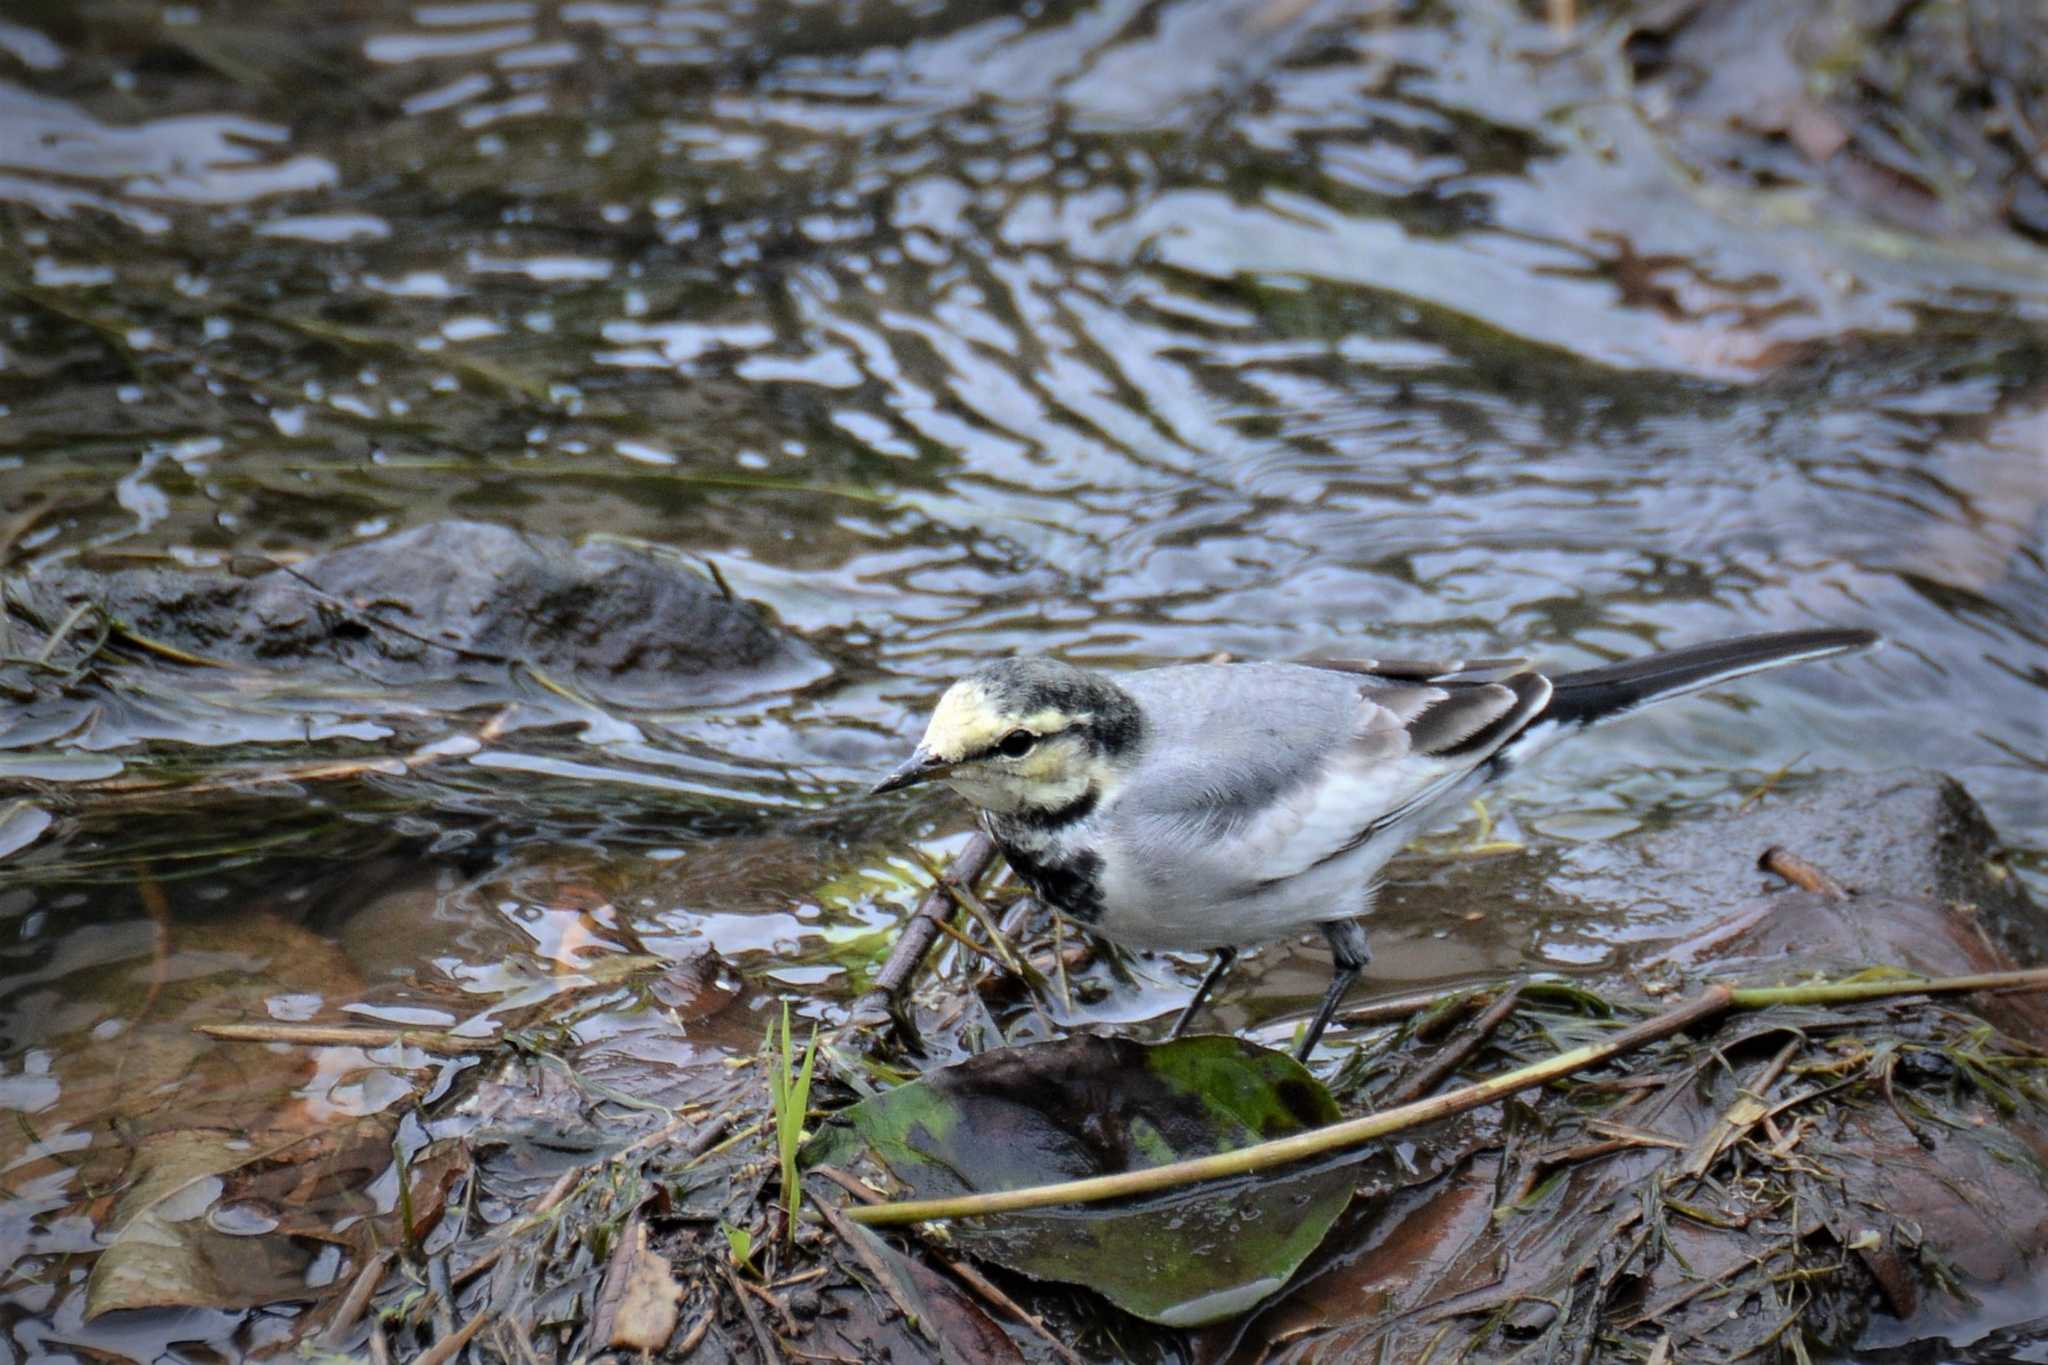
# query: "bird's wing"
{"type": "Point", "coordinates": [1425, 670]}
{"type": "Point", "coordinates": [1402, 747]}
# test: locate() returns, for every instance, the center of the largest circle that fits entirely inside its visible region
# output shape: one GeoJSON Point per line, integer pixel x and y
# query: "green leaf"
{"type": "Point", "coordinates": [741, 1243]}
{"type": "Point", "coordinates": [789, 1099]}
{"type": "Point", "coordinates": [1094, 1106]}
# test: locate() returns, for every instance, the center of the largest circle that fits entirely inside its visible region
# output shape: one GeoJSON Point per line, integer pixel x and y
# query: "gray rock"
{"type": "Point", "coordinates": [1899, 836]}
{"type": "Point", "coordinates": [460, 600]}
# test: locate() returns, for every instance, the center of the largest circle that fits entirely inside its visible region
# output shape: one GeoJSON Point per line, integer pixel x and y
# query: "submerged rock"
{"type": "Point", "coordinates": [1924, 116]}
{"type": "Point", "coordinates": [458, 600]}
{"type": "Point", "coordinates": [1893, 838]}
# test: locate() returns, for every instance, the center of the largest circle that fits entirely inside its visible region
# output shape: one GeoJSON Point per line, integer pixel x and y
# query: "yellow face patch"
{"type": "Point", "coordinates": [967, 721]}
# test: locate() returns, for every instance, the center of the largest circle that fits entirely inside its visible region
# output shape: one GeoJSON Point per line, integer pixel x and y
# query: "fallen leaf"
{"type": "Point", "coordinates": [637, 1309]}
{"type": "Point", "coordinates": [1093, 1106]}
{"type": "Point", "coordinates": [216, 1219]}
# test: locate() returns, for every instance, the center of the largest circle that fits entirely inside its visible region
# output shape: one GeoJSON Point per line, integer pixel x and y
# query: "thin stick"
{"type": "Point", "coordinates": [1264, 1155]}
{"type": "Point", "coordinates": [449, 1347]}
{"type": "Point", "coordinates": [1739, 1117]}
{"type": "Point", "coordinates": [1763, 788]}
{"type": "Point", "coordinates": [389, 766]}
{"type": "Point", "coordinates": [63, 629]}
{"type": "Point", "coordinates": [772, 1299]}
{"type": "Point", "coordinates": [1452, 1056]}
{"type": "Point", "coordinates": [161, 648]}
{"type": "Point", "coordinates": [360, 1292]}
{"type": "Point", "coordinates": [875, 1267]}
{"type": "Point", "coordinates": [321, 1035]}
{"type": "Point", "coordinates": [566, 1183]}
{"type": "Point", "coordinates": [691, 1339]}
{"type": "Point", "coordinates": [762, 1336]}
{"type": "Point", "coordinates": [1261, 1156]}
{"type": "Point", "coordinates": [1059, 960]}
{"type": "Point", "coordinates": [1388, 1010]}
{"type": "Point", "coordinates": [971, 903]}
{"type": "Point", "coordinates": [1848, 992]}
{"type": "Point", "coordinates": [1800, 872]}
{"type": "Point", "coordinates": [921, 931]}
{"type": "Point", "coordinates": [974, 1279]}
{"type": "Point", "coordinates": [978, 949]}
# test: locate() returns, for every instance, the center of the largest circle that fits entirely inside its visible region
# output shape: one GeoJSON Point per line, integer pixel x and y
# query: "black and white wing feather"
{"type": "Point", "coordinates": [1337, 758]}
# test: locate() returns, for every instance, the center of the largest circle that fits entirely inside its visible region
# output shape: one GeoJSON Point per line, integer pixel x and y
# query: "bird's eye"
{"type": "Point", "coordinates": [1016, 744]}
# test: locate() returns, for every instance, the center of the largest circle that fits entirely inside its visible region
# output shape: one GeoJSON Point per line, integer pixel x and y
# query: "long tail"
{"type": "Point", "coordinates": [1597, 694]}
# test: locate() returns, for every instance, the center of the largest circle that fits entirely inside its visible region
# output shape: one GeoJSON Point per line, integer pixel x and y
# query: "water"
{"type": "Point", "coordinates": [1130, 331]}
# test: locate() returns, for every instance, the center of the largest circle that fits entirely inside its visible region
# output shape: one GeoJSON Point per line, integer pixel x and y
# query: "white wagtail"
{"type": "Point", "coordinates": [1208, 806]}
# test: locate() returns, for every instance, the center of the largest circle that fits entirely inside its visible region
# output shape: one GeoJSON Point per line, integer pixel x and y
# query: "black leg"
{"type": "Point", "coordinates": [1224, 957]}
{"type": "Point", "coordinates": [1349, 953]}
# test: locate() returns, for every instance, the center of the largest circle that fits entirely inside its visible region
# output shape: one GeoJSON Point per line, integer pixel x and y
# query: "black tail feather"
{"type": "Point", "coordinates": [1596, 694]}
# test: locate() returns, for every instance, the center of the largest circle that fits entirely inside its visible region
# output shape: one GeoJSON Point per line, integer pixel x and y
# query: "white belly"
{"type": "Point", "coordinates": [1190, 916]}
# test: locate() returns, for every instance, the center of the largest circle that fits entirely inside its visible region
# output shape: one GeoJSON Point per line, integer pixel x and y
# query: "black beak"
{"type": "Point", "coordinates": [921, 766]}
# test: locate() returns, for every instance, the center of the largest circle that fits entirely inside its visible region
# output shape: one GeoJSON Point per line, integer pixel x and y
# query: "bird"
{"type": "Point", "coordinates": [1211, 806]}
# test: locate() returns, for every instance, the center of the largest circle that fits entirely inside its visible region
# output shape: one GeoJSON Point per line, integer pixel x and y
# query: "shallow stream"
{"type": "Point", "coordinates": [1134, 331]}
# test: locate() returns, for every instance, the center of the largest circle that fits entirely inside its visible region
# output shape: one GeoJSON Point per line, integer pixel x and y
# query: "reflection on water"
{"type": "Point", "coordinates": [1131, 331]}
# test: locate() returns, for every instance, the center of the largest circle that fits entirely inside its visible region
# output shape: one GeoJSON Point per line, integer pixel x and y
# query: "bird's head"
{"type": "Point", "coordinates": [1025, 736]}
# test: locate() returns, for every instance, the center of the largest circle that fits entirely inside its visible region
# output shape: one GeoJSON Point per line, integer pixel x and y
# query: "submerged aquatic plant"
{"type": "Point", "coordinates": [789, 1099]}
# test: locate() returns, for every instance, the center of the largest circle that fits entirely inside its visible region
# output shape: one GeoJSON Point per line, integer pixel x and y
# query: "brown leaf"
{"type": "Point", "coordinates": [434, 1172]}
{"type": "Point", "coordinates": [211, 1218]}
{"type": "Point", "coordinates": [637, 1307]}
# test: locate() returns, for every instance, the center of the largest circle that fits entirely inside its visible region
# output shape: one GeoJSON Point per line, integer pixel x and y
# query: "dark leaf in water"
{"type": "Point", "coordinates": [21, 824]}
{"type": "Point", "coordinates": [1096, 1106]}
{"type": "Point", "coordinates": [218, 1219]}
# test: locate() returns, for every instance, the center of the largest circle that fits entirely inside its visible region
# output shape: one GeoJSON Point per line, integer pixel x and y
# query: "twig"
{"type": "Point", "coordinates": [1059, 961]}
{"type": "Point", "coordinates": [566, 1184]}
{"type": "Point", "coordinates": [448, 1347]}
{"type": "Point", "coordinates": [1848, 992]}
{"type": "Point", "coordinates": [440, 1293]}
{"type": "Point", "coordinates": [692, 1339]}
{"type": "Point", "coordinates": [63, 629]}
{"type": "Point", "coordinates": [350, 1310]}
{"type": "Point", "coordinates": [325, 770]}
{"type": "Point", "coordinates": [1338, 1136]}
{"type": "Point", "coordinates": [1587, 1151]}
{"type": "Point", "coordinates": [1712, 1001]}
{"type": "Point", "coordinates": [319, 1035]}
{"type": "Point", "coordinates": [971, 1277]}
{"type": "Point", "coordinates": [342, 604]}
{"type": "Point", "coordinates": [762, 1336]}
{"type": "Point", "coordinates": [1663, 1310]}
{"type": "Point", "coordinates": [803, 1276]}
{"type": "Point", "coordinates": [857, 1244]}
{"type": "Point", "coordinates": [1632, 1137]}
{"type": "Point", "coordinates": [980, 950]}
{"type": "Point", "coordinates": [851, 1183]}
{"type": "Point", "coordinates": [149, 644]}
{"type": "Point", "coordinates": [773, 1300]}
{"type": "Point", "coordinates": [1764, 787]}
{"type": "Point", "coordinates": [515, 1342]}
{"type": "Point", "coordinates": [1453, 1054]}
{"type": "Point", "coordinates": [1801, 873]}
{"type": "Point", "coordinates": [971, 903]}
{"type": "Point", "coordinates": [1390, 1009]}
{"type": "Point", "coordinates": [920, 932]}
{"type": "Point", "coordinates": [1740, 1116]}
